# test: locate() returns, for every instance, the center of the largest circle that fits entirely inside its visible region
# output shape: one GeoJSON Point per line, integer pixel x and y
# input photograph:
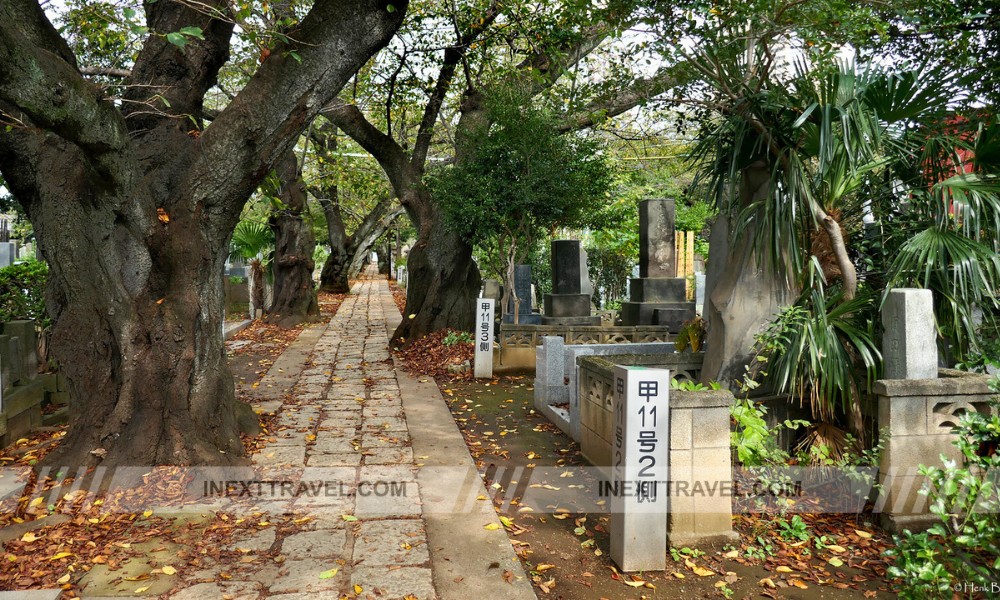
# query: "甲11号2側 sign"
{"type": "Point", "coordinates": [484, 338]}
{"type": "Point", "coordinates": [639, 450]}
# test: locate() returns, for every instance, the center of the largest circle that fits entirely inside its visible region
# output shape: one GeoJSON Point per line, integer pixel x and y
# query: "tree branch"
{"type": "Point", "coordinates": [452, 57]}
{"type": "Point", "coordinates": [288, 91]}
{"type": "Point", "coordinates": [389, 154]}
{"type": "Point", "coordinates": [620, 101]}
{"type": "Point", "coordinates": [542, 70]}
{"type": "Point", "coordinates": [174, 79]}
{"type": "Point", "coordinates": [106, 71]}
{"type": "Point", "coordinates": [51, 92]}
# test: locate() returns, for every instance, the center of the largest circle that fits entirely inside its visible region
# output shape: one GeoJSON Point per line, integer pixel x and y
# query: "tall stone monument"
{"type": "Point", "coordinates": [569, 302]}
{"type": "Point", "coordinates": [657, 296]}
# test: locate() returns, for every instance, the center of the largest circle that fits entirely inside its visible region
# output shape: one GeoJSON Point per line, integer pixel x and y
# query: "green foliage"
{"type": "Point", "coordinates": [679, 554]}
{"type": "Point", "coordinates": [963, 547]}
{"type": "Point", "coordinates": [755, 442]}
{"type": "Point", "coordinates": [691, 335]}
{"type": "Point", "coordinates": [694, 386]}
{"type": "Point", "coordinates": [610, 260]}
{"type": "Point", "coordinates": [812, 348]}
{"type": "Point", "coordinates": [457, 337]}
{"type": "Point", "coordinates": [22, 292]}
{"type": "Point", "coordinates": [793, 530]}
{"type": "Point", "coordinates": [519, 179]}
{"type": "Point", "coordinates": [252, 240]}
{"type": "Point", "coordinates": [953, 251]}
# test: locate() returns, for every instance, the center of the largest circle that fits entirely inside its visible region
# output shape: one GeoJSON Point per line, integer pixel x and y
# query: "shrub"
{"type": "Point", "coordinates": [22, 292]}
{"type": "Point", "coordinates": [962, 549]}
{"type": "Point", "coordinates": [457, 337]}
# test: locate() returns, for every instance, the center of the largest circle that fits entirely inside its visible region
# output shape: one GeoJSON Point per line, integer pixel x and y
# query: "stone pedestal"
{"type": "Point", "coordinates": [569, 302]}
{"type": "Point", "coordinates": [701, 514]}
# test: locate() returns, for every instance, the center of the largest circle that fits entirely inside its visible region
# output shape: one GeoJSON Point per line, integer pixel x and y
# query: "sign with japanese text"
{"type": "Point", "coordinates": [640, 473]}
{"type": "Point", "coordinates": [484, 337]}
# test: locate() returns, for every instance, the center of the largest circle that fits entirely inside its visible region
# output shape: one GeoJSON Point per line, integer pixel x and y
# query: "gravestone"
{"type": "Point", "coordinates": [656, 238]}
{"type": "Point", "coordinates": [24, 332]}
{"type": "Point", "coordinates": [909, 345]}
{"type": "Point", "coordinates": [657, 296]}
{"type": "Point", "coordinates": [491, 289]}
{"type": "Point", "coordinates": [16, 360]}
{"type": "Point", "coordinates": [569, 302]}
{"type": "Point", "coordinates": [8, 253]}
{"type": "Point", "coordinates": [525, 308]}
{"type": "Point", "coordinates": [484, 338]}
{"type": "Point", "coordinates": [641, 474]}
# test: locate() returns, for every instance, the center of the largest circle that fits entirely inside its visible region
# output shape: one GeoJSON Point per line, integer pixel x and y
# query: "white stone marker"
{"type": "Point", "coordinates": [484, 338]}
{"type": "Point", "coordinates": [639, 468]}
{"type": "Point", "coordinates": [909, 345]}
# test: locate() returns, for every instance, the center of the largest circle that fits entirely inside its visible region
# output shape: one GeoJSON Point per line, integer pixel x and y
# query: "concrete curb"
{"type": "Point", "coordinates": [467, 560]}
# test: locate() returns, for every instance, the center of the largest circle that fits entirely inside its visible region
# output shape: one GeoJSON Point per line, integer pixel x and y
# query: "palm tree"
{"type": "Point", "coordinates": [253, 242]}
{"type": "Point", "coordinates": [841, 142]}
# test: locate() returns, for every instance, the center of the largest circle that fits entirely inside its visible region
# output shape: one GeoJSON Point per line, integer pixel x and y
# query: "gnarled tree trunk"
{"type": "Point", "coordinates": [133, 210]}
{"type": "Point", "coordinates": [442, 279]}
{"type": "Point", "coordinates": [294, 296]}
{"type": "Point", "coordinates": [741, 296]}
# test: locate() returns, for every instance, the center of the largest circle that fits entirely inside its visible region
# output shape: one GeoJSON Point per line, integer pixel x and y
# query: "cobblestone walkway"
{"type": "Point", "coordinates": [343, 438]}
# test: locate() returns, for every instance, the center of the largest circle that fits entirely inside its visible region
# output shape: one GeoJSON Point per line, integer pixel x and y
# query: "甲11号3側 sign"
{"type": "Point", "coordinates": [484, 338]}
{"type": "Point", "coordinates": [639, 450]}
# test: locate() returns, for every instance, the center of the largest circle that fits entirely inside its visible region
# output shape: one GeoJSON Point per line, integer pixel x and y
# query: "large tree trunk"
{"type": "Point", "coordinates": [384, 260]}
{"type": "Point", "coordinates": [443, 280]}
{"type": "Point", "coordinates": [334, 277]}
{"type": "Point", "coordinates": [294, 296]}
{"type": "Point", "coordinates": [136, 299]}
{"type": "Point", "coordinates": [741, 296]}
{"type": "Point", "coordinates": [133, 210]}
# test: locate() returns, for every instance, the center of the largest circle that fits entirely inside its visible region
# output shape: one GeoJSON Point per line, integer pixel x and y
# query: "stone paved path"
{"type": "Point", "coordinates": [339, 509]}
{"type": "Point", "coordinates": [345, 426]}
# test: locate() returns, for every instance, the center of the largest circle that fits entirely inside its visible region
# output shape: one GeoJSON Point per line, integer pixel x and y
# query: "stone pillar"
{"type": "Point", "coordinates": [569, 302]}
{"type": "Point", "coordinates": [549, 361]}
{"type": "Point", "coordinates": [484, 338]}
{"type": "Point", "coordinates": [909, 346]}
{"type": "Point", "coordinates": [640, 470]}
{"type": "Point", "coordinates": [701, 470]}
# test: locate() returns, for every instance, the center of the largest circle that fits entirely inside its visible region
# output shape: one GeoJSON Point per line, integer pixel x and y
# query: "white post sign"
{"type": "Point", "coordinates": [640, 471]}
{"type": "Point", "coordinates": [484, 338]}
